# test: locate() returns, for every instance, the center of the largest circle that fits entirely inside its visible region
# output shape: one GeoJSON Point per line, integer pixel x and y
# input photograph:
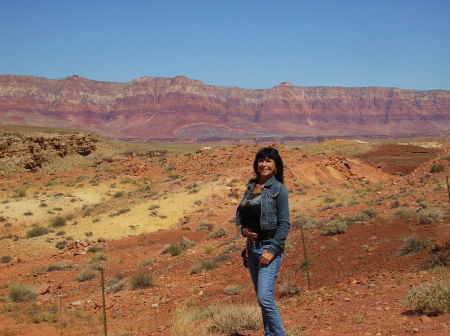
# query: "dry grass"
{"type": "Point", "coordinates": [19, 292]}
{"type": "Point", "coordinates": [217, 319]}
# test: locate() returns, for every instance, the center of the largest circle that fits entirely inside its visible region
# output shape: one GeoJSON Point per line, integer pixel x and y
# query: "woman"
{"type": "Point", "coordinates": [264, 218]}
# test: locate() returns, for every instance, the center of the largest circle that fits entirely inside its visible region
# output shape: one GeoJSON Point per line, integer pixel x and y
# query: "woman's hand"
{"type": "Point", "coordinates": [266, 258]}
{"type": "Point", "coordinates": [250, 235]}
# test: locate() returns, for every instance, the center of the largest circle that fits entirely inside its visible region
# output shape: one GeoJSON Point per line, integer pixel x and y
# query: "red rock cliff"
{"type": "Point", "coordinates": [183, 108]}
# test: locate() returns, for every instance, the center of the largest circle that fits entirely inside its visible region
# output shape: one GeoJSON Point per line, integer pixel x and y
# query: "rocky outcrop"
{"type": "Point", "coordinates": [182, 108]}
{"type": "Point", "coordinates": [18, 151]}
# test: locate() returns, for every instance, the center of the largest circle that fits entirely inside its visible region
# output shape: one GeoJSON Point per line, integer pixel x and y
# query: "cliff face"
{"type": "Point", "coordinates": [182, 108]}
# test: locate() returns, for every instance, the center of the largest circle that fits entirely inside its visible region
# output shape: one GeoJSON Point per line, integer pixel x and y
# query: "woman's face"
{"type": "Point", "coordinates": [266, 168]}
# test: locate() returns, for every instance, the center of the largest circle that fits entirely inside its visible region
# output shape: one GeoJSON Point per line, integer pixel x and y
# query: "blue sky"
{"type": "Point", "coordinates": [250, 44]}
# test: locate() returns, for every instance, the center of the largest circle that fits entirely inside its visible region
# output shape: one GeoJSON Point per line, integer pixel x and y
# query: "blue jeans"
{"type": "Point", "coordinates": [264, 277]}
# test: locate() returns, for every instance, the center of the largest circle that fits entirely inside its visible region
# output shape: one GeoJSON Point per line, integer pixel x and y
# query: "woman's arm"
{"type": "Point", "coordinates": [283, 221]}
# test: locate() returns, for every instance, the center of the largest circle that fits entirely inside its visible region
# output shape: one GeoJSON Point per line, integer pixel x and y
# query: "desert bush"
{"type": "Point", "coordinates": [186, 243]}
{"type": "Point", "coordinates": [395, 204]}
{"type": "Point", "coordinates": [115, 284]}
{"type": "Point", "coordinates": [95, 248]}
{"type": "Point", "coordinates": [430, 298]}
{"type": "Point", "coordinates": [436, 259]}
{"type": "Point", "coordinates": [288, 289]}
{"type": "Point", "coordinates": [153, 207]}
{"type": "Point", "coordinates": [370, 212]}
{"type": "Point", "coordinates": [411, 246]}
{"type": "Point", "coordinates": [86, 274]}
{"type": "Point", "coordinates": [61, 245]}
{"type": "Point", "coordinates": [326, 207]}
{"type": "Point", "coordinates": [126, 180]}
{"type": "Point", "coordinates": [146, 262]}
{"type": "Point", "coordinates": [119, 212]}
{"type": "Point", "coordinates": [37, 231]}
{"type": "Point", "coordinates": [5, 259]}
{"type": "Point", "coordinates": [172, 249]}
{"type": "Point", "coordinates": [437, 168]}
{"type": "Point", "coordinates": [19, 292]}
{"type": "Point", "coordinates": [99, 257]}
{"type": "Point", "coordinates": [361, 217]}
{"type": "Point", "coordinates": [328, 198]}
{"type": "Point", "coordinates": [19, 193]}
{"type": "Point", "coordinates": [203, 266]}
{"type": "Point", "coordinates": [186, 315]}
{"type": "Point", "coordinates": [232, 319]}
{"type": "Point", "coordinates": [430, 215]}
{"type": "Point", "coordinates": [118, 194]}
{"type": "Point", "coordinates": [59, 266]}
{"type": "Point", "coordinates": [404, 213]}
{"type": "Point", "coordinates": [205, 226]}
{"type": "Point", "coordinates": [141, 279]}
{"type": "Point", "coordinates": [218, 233]}
{"type": "Point", "coordinates": [308, 222]}
{"type": "Point", "coordinates": [58, 222]}
{"type": "Point", "coordinates": [334, 227]}
{"type": "Point", "coordinates": [235, 289]}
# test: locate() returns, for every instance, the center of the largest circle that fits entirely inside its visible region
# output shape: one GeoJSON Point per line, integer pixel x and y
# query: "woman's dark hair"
{"type": "Point", "coordinates": [271, 153]}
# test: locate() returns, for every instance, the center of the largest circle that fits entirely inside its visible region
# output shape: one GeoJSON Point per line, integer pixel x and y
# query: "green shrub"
{"type": "Point", "coordinates": [61, 245]}
{"type": "Point", "coordinates": [437, 168]}
{"type": "Point", "coordinates": [37, 231]}
{"type": "Point", "coordinates": [172, 249]}
{"type": "Point", "coordinates": [326, 207]}
{"type": "Point", "coordinates": [334, 227]}
{"type": "Point", "coordinates": [18, 292]}
{"type": "Point", "coordinates": [99, 257]}
{"type": "Point", "coordinates": [370, 212]}
{"type": "Point", "coordinates": [429, 298]}
{"type": "Point", "coordinates": [118, 194]}
{"type": "Point", "coordinates": [218, 233]}
{"type": "Point", "coordinates": [86, 274]}
{"type": "Point", "coordinates": [308, 222]}
{"type": "Point", "coordinates": [404, 213]}
{"type": "Point", "coordinates": [205, 226]}
{"type": "Point", "coordinates": [233, 289]}
{"type": "Point", "coordinates": [146, 262]}
{"type": "Point", "coordinates": [141, 279]}
{"type": "Point", "coordinates": [288, 289]}
{"type": "Point", "coordinates": [95, 248]}
{"type": "Point", "coordinates": [328, 198]}
{"type": "Point", "coordinates": [203, 266]}
{"type": "Point", "coordinates": [5, 259]}
{"type": "Point", "coordinates": [361, 217]}
{"type": "Point", "coordinates": [113, 285]}
{"type": "Point", "coordinates": [430, 215]}
{"type": "Point", "coordinates": [19, 193]}
{"type": "Point", "coordinates": [58, 222]}
{"type": "Point", "coordinates": [411, 246]}
{"type": "Point", "coordinates": [59, 266]}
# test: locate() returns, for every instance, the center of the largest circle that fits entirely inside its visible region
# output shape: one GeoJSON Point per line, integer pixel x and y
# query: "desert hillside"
{"type": "Point", "coordinates": [179, 108]}
{"type": "Point", "coordinates": [159, 219]}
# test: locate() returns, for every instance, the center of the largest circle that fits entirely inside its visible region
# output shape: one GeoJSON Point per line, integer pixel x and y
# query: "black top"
{"type": "Point", "coordinates": [250, 210]}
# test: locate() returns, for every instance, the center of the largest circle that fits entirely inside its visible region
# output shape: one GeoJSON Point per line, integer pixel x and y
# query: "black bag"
{"type": "Point", "coordinates": [244, 256]}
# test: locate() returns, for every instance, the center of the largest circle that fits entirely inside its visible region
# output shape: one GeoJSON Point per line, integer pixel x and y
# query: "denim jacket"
{"type": "Point", "coordinates": [274, 212]}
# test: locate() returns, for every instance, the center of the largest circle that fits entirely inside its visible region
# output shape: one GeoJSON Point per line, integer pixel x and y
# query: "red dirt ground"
{"type": "Point", "coordinates": [359, 283]}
